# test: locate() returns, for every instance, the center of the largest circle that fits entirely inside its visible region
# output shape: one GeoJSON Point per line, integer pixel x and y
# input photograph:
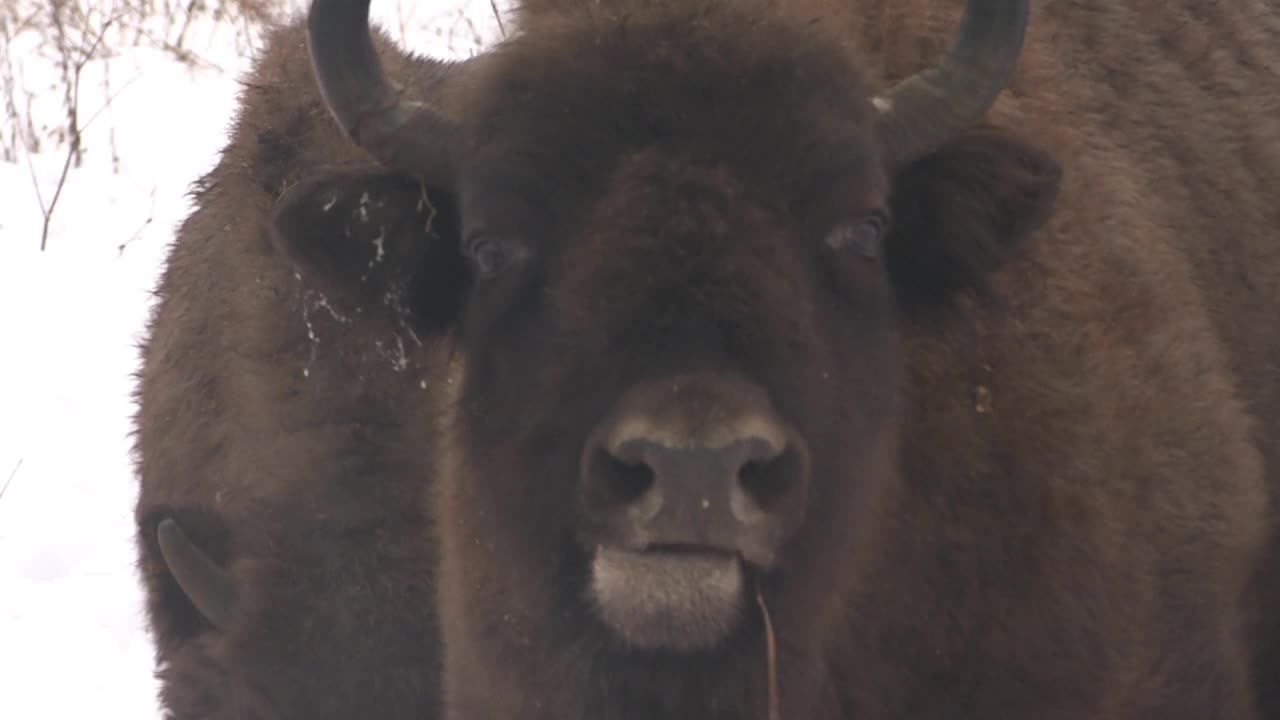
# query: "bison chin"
{"type": "Point", "coordinates": [676, 600]}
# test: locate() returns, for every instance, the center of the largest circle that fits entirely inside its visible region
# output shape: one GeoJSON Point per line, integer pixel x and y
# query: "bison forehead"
{"type": "Point", "coordinates": [690, 236]}
{"type": "Point", "coordinates": [768, 95]}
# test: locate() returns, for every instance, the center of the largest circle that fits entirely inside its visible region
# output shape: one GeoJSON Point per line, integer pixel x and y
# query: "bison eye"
{"type": "Point", "coordinates": [863, 236]}
{"type": "Point", "coordinates": [494, 253]}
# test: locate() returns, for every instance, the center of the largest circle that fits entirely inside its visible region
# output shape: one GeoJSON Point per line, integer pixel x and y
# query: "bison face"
{"type": "Point", "coordinates": [685, 248]}
{"type": "Point", "coordinates": [666, 379]}
{"type": "Point", "coordinates": [682, 371]}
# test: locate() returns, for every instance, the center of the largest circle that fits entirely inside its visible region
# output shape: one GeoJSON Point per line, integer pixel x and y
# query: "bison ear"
{"type": "Point", "coordinates": [963, 211]}
{"type": "Point", "coordinates": [376, 240]}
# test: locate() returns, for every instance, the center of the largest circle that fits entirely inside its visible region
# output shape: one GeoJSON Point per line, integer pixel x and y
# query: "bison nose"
{"type": "Point", "coordinates": [738, 493]}
{"type": "Point", "coordinates": [749, 474]}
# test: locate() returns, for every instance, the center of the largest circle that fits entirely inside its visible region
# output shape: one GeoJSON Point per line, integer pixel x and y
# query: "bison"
{"type": "Point", "coordinates": [730, 359]}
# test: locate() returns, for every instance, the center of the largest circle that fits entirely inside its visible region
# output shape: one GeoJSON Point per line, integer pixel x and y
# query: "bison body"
{"type": "Point", "coordinates": [665, 364]}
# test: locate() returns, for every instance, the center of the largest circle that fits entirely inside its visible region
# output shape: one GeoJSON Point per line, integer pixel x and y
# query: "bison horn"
{"type": "Point", "coordinates": [923, 111]}
{"type": "Point", "coordinates": [399, 133]}
{"type": "Point", "coordinates": [210, 588]}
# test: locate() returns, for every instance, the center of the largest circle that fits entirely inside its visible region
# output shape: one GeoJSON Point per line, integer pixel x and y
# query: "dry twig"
{"type": "Point", "coordinates": [493, 5]}
{"type": "Point", "coordinates": [73, 130]}
{"type": "Point", "coordinates": [771, 656]}
{"type": "Point", "coordinates": [6, 482]}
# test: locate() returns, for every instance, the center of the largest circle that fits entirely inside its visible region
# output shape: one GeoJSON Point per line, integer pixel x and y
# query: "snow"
{"type": "Point", "coordinates": [73, 641]}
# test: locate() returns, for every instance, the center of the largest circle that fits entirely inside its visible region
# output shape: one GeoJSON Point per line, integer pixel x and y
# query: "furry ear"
{"type": "Point", "coordinates": [965, 210]}
{"type": "Point", "coordinates": [376, 239]}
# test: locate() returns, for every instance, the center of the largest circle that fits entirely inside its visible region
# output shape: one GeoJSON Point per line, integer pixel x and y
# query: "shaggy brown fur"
{"type": "Point", "coordinates": [274, 400]}
{"type": "Point", "coordinates": [1041, 431]}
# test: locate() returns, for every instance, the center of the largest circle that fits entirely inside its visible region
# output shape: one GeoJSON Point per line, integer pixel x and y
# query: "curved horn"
{"type": "Point", "coordinates": [399, 133]}
{"type": "Point", "coordinates": [210, 588]}
{"type": "Point", "coordinates": [920, 113]}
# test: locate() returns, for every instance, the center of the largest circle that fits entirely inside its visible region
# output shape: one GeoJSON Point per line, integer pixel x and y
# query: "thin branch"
{"type": "Point", "coordinates": [57, 193]}
{"type": "Point", "coordinates": [111, 98]}
{"type": "Point", "coordinates": [771, 656]}
{"type": "Point", "coordinates": [9, 143]}
{"type": "Point", "coordinates": [73, 146]}
{"type": "Point", "coordinates": [23, 24]}
{"type": "Point", "coordinates": [63, 46]}
{"type": "Point", "coordinates": [145, 223]}
{"type": "Point", "coordinates": [493, 5]}
{"type": "Point", "coordinates": [97, 42]}
{"type": "Point", "coordinates": [400, 21]}
{"type": "Point", "coordinates": [6, 482]}
{"type": "Point", "coordinates": [111, 128]}
{"type": "Point", "coordinates": [35, 180]}
{"type": "Point", "coordinates": [183, 55]}
{"type": "Point", "coordinates": [186, 24]}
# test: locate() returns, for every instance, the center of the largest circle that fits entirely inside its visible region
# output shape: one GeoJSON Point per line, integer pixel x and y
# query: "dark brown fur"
{"type": "Point", "coordinates": [274, 399]}
{"type": "Point", "coordinates": [1041, 441]}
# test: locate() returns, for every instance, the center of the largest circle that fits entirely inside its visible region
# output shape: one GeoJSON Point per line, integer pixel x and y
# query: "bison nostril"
{"type": "Point", "coordinates": [619, 482]}
{"type": "Point", "coordinates": [767, 481]}
{"type": "Point", "coordinates": [735, 482]}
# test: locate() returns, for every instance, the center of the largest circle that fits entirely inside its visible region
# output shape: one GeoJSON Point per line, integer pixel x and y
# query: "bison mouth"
{"type": "Point", "coordinates": [669, 597]}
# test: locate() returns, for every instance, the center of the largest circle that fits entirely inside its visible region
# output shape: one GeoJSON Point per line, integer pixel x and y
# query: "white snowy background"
{"type": "Point", "coordinates": [73, 641]}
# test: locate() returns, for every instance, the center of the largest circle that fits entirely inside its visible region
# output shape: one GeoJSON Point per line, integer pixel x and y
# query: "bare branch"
{"type": "Point", "coordinates": [57, 193]}
{"type": "Point", "coordinates": [493, 5]}
{"type": "Point", "coordinates": [145, 223]}
{"type": "Point", "coordinates": [106, 105]}
{"type": "Point", "coordinates": [111, 128]}
{"type": "Point", "coordinates": [6, 482]}
{"type": "Point", "coordinates": [73, 130]}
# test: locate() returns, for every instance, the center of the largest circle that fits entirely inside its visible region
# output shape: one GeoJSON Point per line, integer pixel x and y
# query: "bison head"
{"type": "Point", "coordinates": [688, 236]}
